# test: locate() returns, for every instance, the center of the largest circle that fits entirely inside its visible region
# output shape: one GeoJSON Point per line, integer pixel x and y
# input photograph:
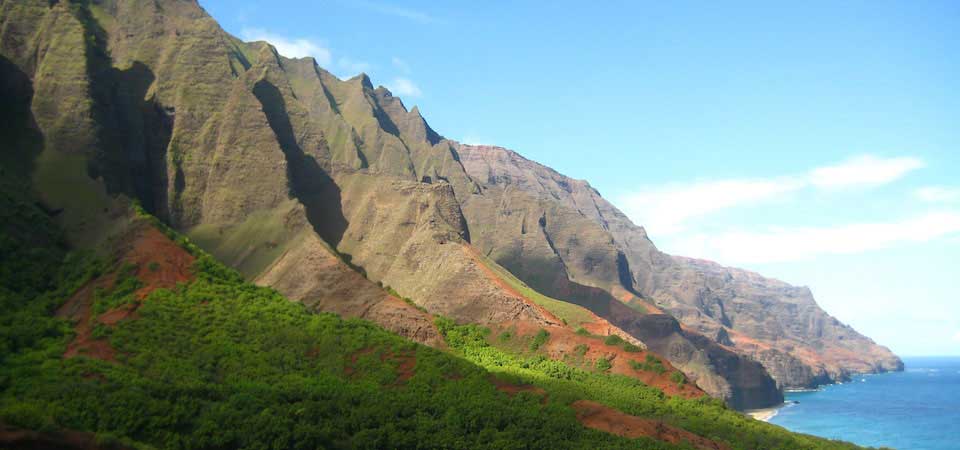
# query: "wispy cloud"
{"type": "Point", "coordinates": [395, 11]}
{"type": "Point", "coordinates": [290, 47]}
{"type": "Point", "coordinates": [405, 87]}
{"type": "Point", "coordinates": [791, 244]}
{"type": "Point", "coordinates": [937, 194]}
{"type": "Point", "coordinates": [863, 171]}
{"type": "Point", "coordinates": [349, 67]}
{"type": "Point", "coordinates": [472, 139]}
{"type": "Point", "coordinates": [956, 337]}
{"type": "Point", "coordinates": [401, 65]}
{"type": "Point", "coordinates": [668, 210]}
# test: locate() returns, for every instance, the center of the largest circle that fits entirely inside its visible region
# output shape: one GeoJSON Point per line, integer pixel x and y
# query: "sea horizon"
{"type": "Point", "coordinates": [902, 410]}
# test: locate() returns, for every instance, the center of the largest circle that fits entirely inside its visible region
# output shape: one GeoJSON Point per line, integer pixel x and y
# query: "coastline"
{"type": "Point", "coordinates": [764, 414]}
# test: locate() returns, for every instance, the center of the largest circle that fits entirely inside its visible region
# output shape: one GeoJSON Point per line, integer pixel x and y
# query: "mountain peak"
{"type": "Point", "coordinates": [364, 80]}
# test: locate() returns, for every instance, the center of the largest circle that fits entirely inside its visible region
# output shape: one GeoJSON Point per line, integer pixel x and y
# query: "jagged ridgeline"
{"type": "Point", "coordinates": [336, 195]}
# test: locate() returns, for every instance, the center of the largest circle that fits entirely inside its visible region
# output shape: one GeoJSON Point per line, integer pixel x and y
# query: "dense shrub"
{"type": "Point", "coordinates": [613, 339]}
{"type": "Point", "coordinates": [603, 364]}
{"type": "Point", "coordinates": [539, 339]}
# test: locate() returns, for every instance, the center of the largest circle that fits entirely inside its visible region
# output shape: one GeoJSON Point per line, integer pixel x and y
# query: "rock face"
{"type": "Point", "coordinates": [572, 244]}
{"type": "Point", "coordinates": [324, 188]}
{"type": "Point", "coordinates": [274, 165]}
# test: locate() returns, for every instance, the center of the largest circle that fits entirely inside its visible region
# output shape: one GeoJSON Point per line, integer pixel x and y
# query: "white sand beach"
{"type": "Point", "coordinates": [763, 414]}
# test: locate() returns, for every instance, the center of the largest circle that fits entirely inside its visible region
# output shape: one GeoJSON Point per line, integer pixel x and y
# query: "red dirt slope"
{"type": "Point", "coordinates": [603, 418]}
{"type": "Point", "coordinates": [160, 263]}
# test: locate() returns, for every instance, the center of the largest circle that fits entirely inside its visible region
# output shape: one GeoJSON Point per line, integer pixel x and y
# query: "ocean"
{"type": "Point", "coordinates": [918, 409]}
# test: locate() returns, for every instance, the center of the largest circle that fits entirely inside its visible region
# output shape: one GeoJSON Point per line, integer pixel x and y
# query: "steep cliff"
{"type": "Point", "coordinates": [564, 233]}
{"type": "Point", "coordinates": [254, 156]}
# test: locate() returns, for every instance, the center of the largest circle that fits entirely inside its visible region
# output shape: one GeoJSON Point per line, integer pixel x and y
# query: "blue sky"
{"type": "Point", "coordinates": [816, 142]}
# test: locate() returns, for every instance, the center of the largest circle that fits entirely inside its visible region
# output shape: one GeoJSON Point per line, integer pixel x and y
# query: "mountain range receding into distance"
{"type": "Point", "coordinates": [336, 195]}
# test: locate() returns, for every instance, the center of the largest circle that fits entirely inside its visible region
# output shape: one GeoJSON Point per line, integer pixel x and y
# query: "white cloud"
{"type": "Point", "coordinates": [863, 170]}
{"type": "Point", "coordinates": [471, 139]}
{"type": "Point", "coordinates": [956, 337]}
{"type": "Point", "coordinates": [934, 194]}
{"type": "Point", "coordinates": [401, 65]}
{"type": "Point", "coordinates": [350, 68]}
{"type": "Point", "coordinates": [791, 244]}
{"type": "Point", "coordinates": [403, 86]}
{"type": "Point", "coordinates": [667, 210]}
{"type": "Point", "coordinates": [396, 11]}
{"type": "Point", "coordinates": [290, 47]}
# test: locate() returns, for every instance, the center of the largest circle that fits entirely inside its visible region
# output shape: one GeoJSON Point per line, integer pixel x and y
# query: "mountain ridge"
{"type": "Point", "coordinates": [258, 158]}
{"type": "Point", "coordinates": [695, 291]}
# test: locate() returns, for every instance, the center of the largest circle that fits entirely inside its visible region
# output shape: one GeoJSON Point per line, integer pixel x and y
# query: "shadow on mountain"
{"type": "Point", "coordinates": [136, 132]}
{"type": "Point", "coordinates": [133, 131]}
{"type": "Point", "coordinates": [20, 138]}
{"type": "Point", "coordinates": [308, 182]}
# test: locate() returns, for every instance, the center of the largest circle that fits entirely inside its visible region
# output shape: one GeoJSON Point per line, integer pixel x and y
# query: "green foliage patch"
{"type": "Point", "coordinates": [539, 339]}
{"type": "Point", "coordinates": [603, 364]}
{"type": "Point", "coordinates": [564, 384]}
{"type": "Point", "coordinates": [221, 363]}
{"type": "Point", "coordinates": [651, 364]}
{"type": "Point", "coordinates": [613, 339]}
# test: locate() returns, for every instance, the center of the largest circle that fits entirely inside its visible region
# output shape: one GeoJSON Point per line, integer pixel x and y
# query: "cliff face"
{"type": "Point", "coordinates": [775, 323]}
{"type": "Point", "coordinates": [275, 166]}
{"type": "Point", "coordinates": [566, 226]}
{"type": "Point", "coordinates": [323, 188]}
{"type": "Point", "coordinates": [543, 227]}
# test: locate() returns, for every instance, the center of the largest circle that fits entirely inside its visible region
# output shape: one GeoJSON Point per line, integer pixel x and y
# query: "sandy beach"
{"type": "Point", "coordinates": [763, 414]}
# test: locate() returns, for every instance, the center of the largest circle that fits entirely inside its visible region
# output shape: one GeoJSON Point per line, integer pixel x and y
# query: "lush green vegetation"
{"type": "Point", "coordinates": [603, 364]}
{"type": "Point", "coordinates": [679, 378]}
{"type": "Point", "coordinates": [565, 384]}
{"type": "Point", "coordinates": [220, 363]}
{"type": "Point", "coordinates": [651, 364]}
{"type": "Point", "coordinates": [613, 339]}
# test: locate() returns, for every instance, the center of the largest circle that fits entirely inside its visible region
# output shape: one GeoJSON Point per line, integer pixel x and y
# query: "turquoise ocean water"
{"type": "Point", "coordinates": [918, 409]}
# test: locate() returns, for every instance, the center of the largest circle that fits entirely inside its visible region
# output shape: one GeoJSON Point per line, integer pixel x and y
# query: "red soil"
{"type": "Point", "coordinates": [403, 311]}
{"type": "Point", "coordinates": [473, 253]}
{"type": "Point", "coordinates": [628, 298]}
{"type": "Point", "coordinates": [564, 341]}
{"type": "Point", "coordinates": [514, 389]}
{"type": "Point", "coordinates": [79, 308]}
{"type": "Point", "coordinates": [603, 418]}
{"type": "Point", "coordinates": [406, 363]}
{"type": "Point", "coordinates": [160, 263]}
{"type": "Point", "coordinates": [405, 367]}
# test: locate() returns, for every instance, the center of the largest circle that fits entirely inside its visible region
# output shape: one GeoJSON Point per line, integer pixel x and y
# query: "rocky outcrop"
{"type": "Point", "coordinates": [778, 324]}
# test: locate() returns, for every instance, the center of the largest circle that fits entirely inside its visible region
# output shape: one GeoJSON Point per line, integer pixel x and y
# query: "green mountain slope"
{"type": "Point", "coordinates": [147, 343]}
